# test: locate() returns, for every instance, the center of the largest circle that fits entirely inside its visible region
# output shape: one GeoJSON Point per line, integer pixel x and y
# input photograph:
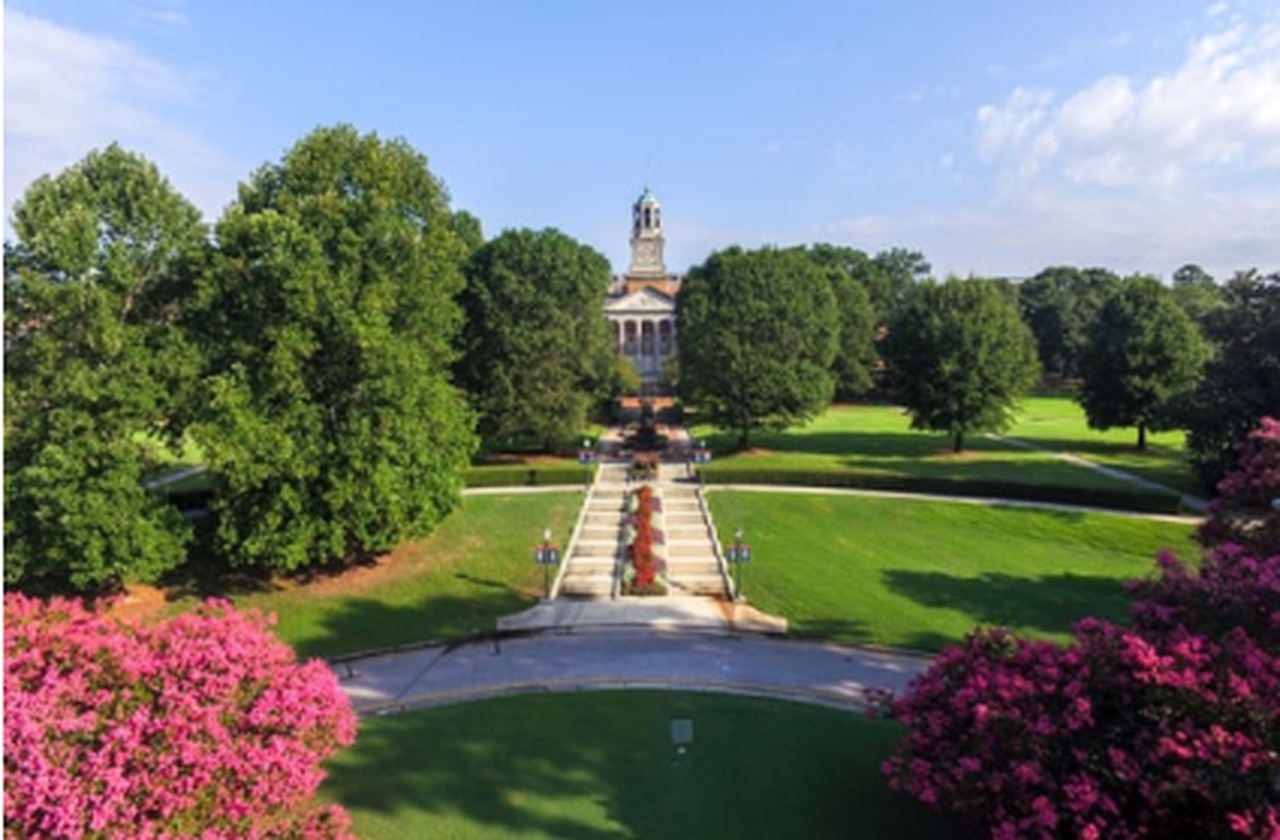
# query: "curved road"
{"type": "Point", "coordinates": [813, 672]}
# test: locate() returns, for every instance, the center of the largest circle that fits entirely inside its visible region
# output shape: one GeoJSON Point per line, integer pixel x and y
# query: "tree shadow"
{"type": "Point", "coordinates": [1049, 604]}
{"type": "Point", "coordinates": [597, 765]}
{"type": "Point", "coordinates": [358, 625]}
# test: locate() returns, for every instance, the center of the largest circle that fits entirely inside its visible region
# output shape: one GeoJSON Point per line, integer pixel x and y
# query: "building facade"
{"type": "Point", "coordinates": [641, 305]}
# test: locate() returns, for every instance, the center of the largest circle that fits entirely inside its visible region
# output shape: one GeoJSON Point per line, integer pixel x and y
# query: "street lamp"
{"type": "Point", "coordinates": [739, 554]}
{"type": "Point", "coordinates": [546, 555]}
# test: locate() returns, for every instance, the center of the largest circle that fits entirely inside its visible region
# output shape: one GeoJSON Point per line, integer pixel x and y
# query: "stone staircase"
{"type": "Point", "coordinates": [692, 565]}
{"type": "Point", "coordinates": [594, 560]}
{"type": "Point", "coordinates": [596, 557]}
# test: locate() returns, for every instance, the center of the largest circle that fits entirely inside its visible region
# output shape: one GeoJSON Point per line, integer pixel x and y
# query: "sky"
{"type": "Point", "coordinates": [997, 137]}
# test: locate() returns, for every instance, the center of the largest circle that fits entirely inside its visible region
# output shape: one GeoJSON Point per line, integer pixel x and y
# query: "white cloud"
{"type": "Point", "coordinates": [1220, 108]}
{"type": "Point", "coordinates": [1137, 174]}
{"type": "Point", "coordinates": [68, 92]}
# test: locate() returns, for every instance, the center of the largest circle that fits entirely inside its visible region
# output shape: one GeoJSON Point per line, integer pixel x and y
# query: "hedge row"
{"type": "Point", "coordinates": [1138, 500]}
{"type": "Point", "coordinates": [525, 475]}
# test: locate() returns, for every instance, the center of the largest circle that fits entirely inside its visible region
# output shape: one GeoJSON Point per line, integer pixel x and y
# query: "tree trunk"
{"type": "Point", "coordinates": [744, 438]}
{"type": "Point", "coordinates": [957, 441]}
{"type": "Point", "coordinates": [1142, 437]}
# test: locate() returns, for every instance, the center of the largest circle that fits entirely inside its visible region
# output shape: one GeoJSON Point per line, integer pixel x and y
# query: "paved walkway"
{"type": "Point", "coordinates": [1187, 500]}
{"type": "Point", "coordinates": [811, 672]}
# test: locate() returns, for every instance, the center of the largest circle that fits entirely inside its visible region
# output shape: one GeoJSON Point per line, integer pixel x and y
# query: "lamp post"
{"type": "Point", "coordinates": [739, 554]}
{"type": "Point", "coordinates": [546, 555]}
{"type": "Point", "coordinates": [586, 457]}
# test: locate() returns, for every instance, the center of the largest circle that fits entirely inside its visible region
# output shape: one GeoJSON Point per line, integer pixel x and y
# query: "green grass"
{"type": "Point", "coordinates": [921, 574]}
{"type": "Point", "coordinates": [877, 440]}
{"type": "Point", "coordinates": [1058, 423]}
{"type": "Point", "coordinates": [476, 567]}
{"type": "Point", "coordinates": [602, 765]}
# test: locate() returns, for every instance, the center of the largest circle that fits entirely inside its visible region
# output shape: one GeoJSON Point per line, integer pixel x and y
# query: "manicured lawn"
{"type": "Point", "coordinates": [476, 567]}
{"type": "Point", "coordinates": [876, 440]}
{"type": "Point", "coordinates": [601, 764]}
{"type": "Point", "coordinates": [921, 574]}
{"type": "Point", "coordinates": [1058, 423]}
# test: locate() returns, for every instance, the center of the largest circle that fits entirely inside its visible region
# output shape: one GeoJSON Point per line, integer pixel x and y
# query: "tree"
{"type": "Point", "coordinates": [1247, 510]}
{"type": "Point", "coordinates": [758, 332]}
{"type": "Point", "coordinates": [95, 286]}
{"type": "Point", "coordinates": [1144, 355]}
{"type": "Point", "coordinates": [535, 354]}
{"type": "Point", "coordinates": [1242, 381]}
{"type": "Point", "coordinates": [332, 428]}
{"type": "Point", "coordinates": [1059, 304]}
{"type": "Point", "coordinates": [961, 358]}
{"type": "Point", "coordinates": [897, 272]}
{"type": "Point", "coordinates": [202, 725]}
{"type": "Point", "coordinates": [1195, 291]}
{"type": "Point", "coordinates": [856, 354]}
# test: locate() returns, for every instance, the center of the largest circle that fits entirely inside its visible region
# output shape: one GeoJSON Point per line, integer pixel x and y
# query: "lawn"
{"type": "Point", "coordinates": [602, 765]}
{"type": "Point", "coordinates": [877, 441]}
{"type": "Point", "coordinates": [476, 567]}
{"type": "Point", "coordinates": [1058, 422]}
{"type": "Point", "coordinates": [920, 574]}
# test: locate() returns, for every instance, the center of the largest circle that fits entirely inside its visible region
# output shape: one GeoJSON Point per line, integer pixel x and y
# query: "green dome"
{"type": "Point", "coordinates": [647, 197]}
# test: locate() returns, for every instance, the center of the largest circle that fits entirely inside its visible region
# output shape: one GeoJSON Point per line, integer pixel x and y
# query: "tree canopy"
{"type": "Point", "coordinates": [758, 333]}
{"type": "Point", "coordinates": [856, 354]}
{"type": "Point", "coordinates": [331, 425]}
{"type": "Point", "coordinates": [960, 358]}
{"type": "Point", "coordinates": [1242, 382]}
{"type": "Point", "coordinates": [1144, 356]}
{"type": "Point", "coordinates": [95, 284]}
{"type": "Point", "coordinates": [534, 353]}
{"type": "Point", "coordinates": [1059, 304]}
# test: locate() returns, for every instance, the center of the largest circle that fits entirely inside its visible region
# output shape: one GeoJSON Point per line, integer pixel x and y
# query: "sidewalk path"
{"type": "Point", "coordinates": [1187, 500]}
{"type": "Point", "coordinates": [811, 672]}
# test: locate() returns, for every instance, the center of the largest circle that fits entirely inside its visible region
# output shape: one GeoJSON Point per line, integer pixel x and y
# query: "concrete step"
{"type": "Point", "coordinates": [586, 587]}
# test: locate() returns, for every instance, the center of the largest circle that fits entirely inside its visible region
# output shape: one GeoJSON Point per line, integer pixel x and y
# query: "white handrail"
{"type": "Point", "coordinates": [715, 544]}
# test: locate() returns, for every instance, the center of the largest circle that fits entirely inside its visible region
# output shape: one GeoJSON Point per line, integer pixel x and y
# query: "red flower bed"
{"type": "Point", "coordinates": [642, 559]}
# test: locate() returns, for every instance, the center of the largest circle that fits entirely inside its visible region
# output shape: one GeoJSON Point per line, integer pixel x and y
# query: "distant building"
{"type": "Point", "coordinates": [641, 305]}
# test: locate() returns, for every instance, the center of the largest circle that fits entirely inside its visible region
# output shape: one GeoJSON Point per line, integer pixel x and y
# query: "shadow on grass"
{"type": "Point", "coordinates": [599, 765]}
{"type": "Point", "coordinates": [359, 625]}
{"type": "Point", "coordinates": [1051, 604]}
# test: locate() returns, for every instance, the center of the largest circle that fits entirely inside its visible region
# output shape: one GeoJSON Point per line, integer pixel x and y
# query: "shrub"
{"type": "Point", "coordinates": [1244, 512]}
{"type": "Point", "coordinates": [1115, 736]}
{"type": "Point", "coordinates": [200, 726]}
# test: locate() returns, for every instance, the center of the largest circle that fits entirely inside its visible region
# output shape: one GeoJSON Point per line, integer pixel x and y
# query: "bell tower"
{"type": "Point", "coordinates": [646, 237]}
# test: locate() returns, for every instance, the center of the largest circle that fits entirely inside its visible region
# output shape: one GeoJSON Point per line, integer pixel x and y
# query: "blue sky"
{"type": "Point", "coordinates": [995, 137]}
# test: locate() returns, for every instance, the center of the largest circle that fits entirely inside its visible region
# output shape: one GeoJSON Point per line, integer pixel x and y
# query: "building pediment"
{"type": "Point", "coordinates": [641, 301]}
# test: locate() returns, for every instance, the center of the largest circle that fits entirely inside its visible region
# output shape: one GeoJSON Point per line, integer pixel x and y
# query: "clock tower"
{"type": "Point", "coordinates": [646, 237]}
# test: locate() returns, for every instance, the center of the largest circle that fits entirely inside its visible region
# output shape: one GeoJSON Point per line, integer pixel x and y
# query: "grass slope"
{"type": "Point", "coordinates": [602, 765]}
{"type": "Point", "coordinates": [921, 574]}
{"type": "Point", "coordinates": [476, 567]}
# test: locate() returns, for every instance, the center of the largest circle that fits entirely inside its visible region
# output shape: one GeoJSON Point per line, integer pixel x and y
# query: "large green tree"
{"type": "Point", "coordinates": [1144, 355]}
{"type": "Point", "coordinates": [758, 333]}
{"type": "Point", "coordinates": [961, 357]}
{"type": "Point", "coordinates": [891, 279]}
{"type": "Point", "coordinates": [1059, 304]}
{"type": "Point", "coordinates": [332, 427]}
{"type": "Point", "coordinates": [1242, 382]}
{"type": "Point", "coordinates": [535, 351]}
{"type": "Point", "coordinates": [856, 354]}
{"type": "Point", "coordinates": [104, 258]}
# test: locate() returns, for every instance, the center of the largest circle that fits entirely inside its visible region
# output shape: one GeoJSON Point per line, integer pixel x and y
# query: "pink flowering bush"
{"type": "Point", "coordinates": [1244, 512]}
{"type": "Point", "coordinates": [200, 726]}
{"type": "Point", "coordinates": [1231, 590]}
{"type": "Point", "coordinates": [1113, 736]}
